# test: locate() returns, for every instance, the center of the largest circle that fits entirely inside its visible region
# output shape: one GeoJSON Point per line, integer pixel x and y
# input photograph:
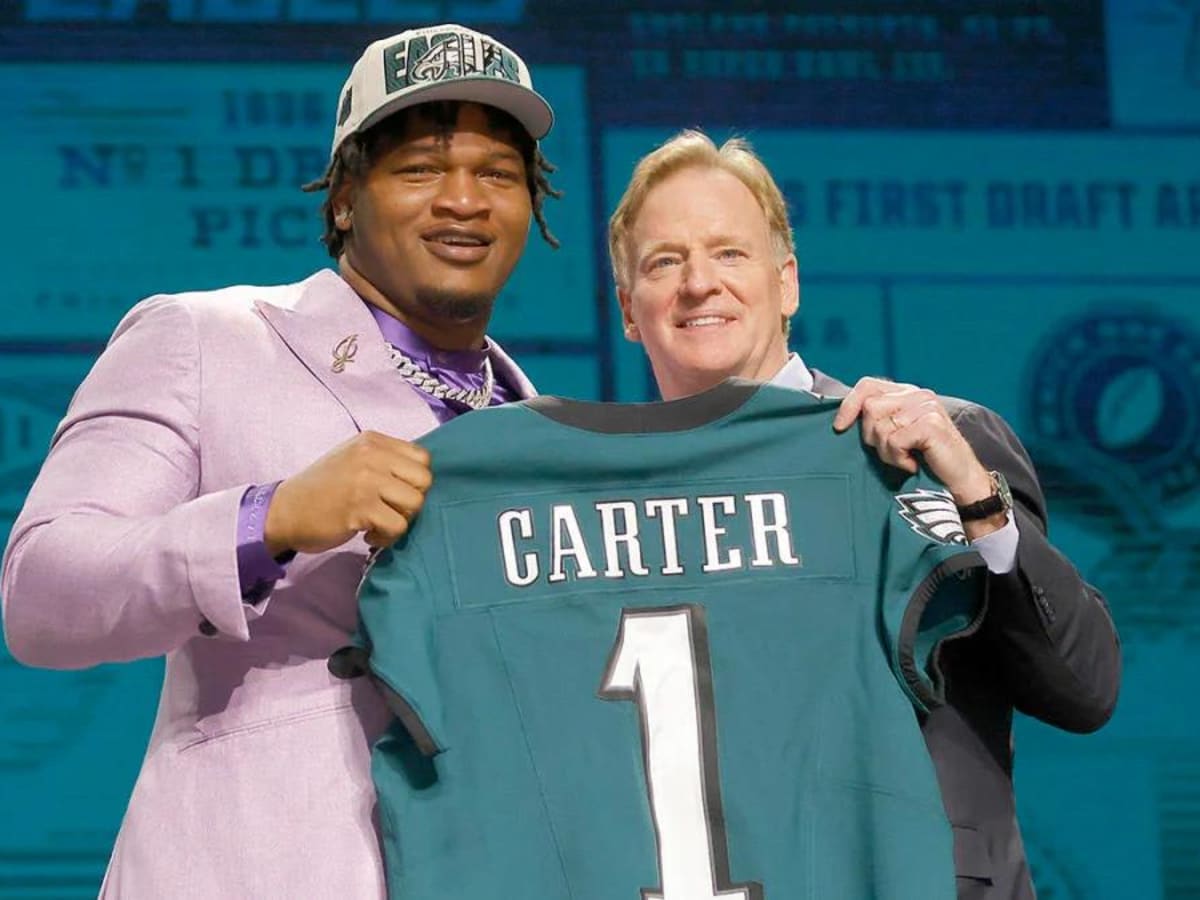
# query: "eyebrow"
{"type": "Point", "coordinates": [718, 240]}
{"type": "Point", "coordinates": [728, 240]}
{"type": "Point", "coordinates": [505, 153]}
{"type": "Point", "coordinates": [660, 246]}
{"type": "Point", "coordinates": [436, 144]}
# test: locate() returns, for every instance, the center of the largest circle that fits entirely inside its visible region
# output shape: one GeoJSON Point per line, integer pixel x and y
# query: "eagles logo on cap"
{"type": "Point", "coordinates": [442, 62]}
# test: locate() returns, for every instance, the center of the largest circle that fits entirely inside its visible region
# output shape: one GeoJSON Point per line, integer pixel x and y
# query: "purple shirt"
{"type": "Point", "coordinates": [257, 569]}
{"type": "Point", "coordinates": [459, 368]}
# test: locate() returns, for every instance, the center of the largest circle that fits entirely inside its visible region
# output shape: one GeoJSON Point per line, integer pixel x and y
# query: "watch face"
{"type": "Point", "coordinates": [1003, 490]}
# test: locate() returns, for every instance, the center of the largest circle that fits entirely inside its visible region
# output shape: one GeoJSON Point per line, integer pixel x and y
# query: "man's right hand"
{"type": "Point", "coordinates": [372, 484]}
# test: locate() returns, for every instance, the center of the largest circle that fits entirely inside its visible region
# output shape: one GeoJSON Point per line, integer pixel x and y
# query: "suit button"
{"type": "Point", "coordinates": [1039, 595]}
{"type": "Point", "coordinates": [207, 628]}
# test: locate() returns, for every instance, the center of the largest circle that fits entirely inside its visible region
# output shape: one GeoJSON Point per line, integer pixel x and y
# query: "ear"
{"type": "Point", "coordinates": [789, 287]}
{"type": "Point", "coordinates": [343, 209]}
{"type": "Point", "coordinates": [630, 326]}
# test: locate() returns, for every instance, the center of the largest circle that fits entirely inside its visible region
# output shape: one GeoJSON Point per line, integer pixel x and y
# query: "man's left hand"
{"type": "Point", "coordinates": [906, 425]}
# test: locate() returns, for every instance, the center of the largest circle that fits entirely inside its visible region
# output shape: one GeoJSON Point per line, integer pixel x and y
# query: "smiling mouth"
{"type": "Point", "coordinates": [704, 322]}
{"type": "Point", "coordinates": [457, 246]}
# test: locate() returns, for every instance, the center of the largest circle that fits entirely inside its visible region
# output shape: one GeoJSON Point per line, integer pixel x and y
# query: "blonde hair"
{"type": "Point", "coordinates": [688, 149]}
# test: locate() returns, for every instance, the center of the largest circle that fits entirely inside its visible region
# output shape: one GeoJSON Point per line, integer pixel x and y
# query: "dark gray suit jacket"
{"type": "Point", "coordinates": [1047, 647]}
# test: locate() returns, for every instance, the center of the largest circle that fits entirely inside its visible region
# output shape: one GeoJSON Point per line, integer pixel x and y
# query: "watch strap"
{"type": "Point", "coordinates": [1000, 501]}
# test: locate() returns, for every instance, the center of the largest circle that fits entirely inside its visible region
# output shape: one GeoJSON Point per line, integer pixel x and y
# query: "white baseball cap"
{"type": "Point", "coordinates": [441, 62]}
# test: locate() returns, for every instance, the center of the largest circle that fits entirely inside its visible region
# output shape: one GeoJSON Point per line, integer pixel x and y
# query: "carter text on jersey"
{"type": "Point", "coordinates": [615, 534]}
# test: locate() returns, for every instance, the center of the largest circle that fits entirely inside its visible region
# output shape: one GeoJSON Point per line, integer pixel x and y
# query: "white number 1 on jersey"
{"type": "Point", "coordinates": [660, 662]}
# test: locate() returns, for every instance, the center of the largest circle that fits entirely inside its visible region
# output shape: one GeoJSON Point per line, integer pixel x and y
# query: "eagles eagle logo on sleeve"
{"type": "Point", "coordinates": [932, 515]}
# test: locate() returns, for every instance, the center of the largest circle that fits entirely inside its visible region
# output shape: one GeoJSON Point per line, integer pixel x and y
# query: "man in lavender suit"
{"type": "Point", "coordinates": [220, 475]}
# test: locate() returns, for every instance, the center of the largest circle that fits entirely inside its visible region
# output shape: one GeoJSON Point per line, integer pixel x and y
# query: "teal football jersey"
{"type": "Point", "coordinates": [665, 651]}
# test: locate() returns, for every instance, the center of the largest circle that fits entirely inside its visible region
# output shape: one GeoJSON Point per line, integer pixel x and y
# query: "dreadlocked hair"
{"type": "Point", "coordinates": [357, 153]}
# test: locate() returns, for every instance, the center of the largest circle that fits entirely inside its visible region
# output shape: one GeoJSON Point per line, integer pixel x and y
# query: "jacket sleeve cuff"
{"type": "Point", "coordinates": [257, 569]}
{"type": "Point", "coordinates": [213, 566]}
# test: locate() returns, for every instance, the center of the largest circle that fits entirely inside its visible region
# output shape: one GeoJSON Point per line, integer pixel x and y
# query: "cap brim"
{"type": "Point", "coordinates": [524, 104]}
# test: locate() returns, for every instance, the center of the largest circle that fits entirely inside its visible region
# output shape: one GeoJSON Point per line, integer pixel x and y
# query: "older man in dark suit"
{"type": "Point", "coordinates": [707, 279]}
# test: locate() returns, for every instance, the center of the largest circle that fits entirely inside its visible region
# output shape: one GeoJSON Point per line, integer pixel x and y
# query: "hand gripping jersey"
{"type": "Point", "coordinates": [664, 651]}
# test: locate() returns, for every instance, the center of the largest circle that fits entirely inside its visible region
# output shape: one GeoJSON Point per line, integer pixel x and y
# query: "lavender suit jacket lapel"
{"type": "Point", "coordinates": [508, 372]}
{"type": "Point", "coordinates": [331, 331]}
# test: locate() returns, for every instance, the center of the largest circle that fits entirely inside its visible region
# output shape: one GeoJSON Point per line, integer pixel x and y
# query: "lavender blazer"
{"type": "Point", "coordinates": [256, 782]}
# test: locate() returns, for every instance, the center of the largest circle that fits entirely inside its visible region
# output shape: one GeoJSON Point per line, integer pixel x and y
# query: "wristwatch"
{"type": "Point", "coordinates": [1000, 501]}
